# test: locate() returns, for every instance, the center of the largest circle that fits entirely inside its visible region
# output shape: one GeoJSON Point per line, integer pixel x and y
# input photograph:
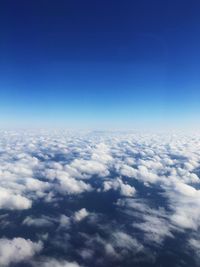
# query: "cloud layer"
{"type": "Point", "coordinates": [98, 199]}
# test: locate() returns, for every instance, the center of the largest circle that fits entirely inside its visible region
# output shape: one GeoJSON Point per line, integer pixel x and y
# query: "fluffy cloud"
{"type": "Point", "coordinates": [56, 263]}
{"type": "Point", "coordinates": [17, 249]}
{"type": "Point", "coordinates": [80, 215]}
{"type": "Point", "coordinates": [11, 201]}
{"type": "Point", "coordinates": [156, 177]}
{"type": "Point", "coordinates": [117, 184]}
{"type": "Point", "coordinates": [89, 167]}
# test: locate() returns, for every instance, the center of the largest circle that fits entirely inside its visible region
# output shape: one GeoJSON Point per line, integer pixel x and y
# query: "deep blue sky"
{"type": "Point", "coordinates": [99, 63]}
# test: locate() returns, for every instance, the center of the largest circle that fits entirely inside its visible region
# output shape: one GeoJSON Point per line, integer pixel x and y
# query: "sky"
{"type": "Point", "coordinates": [99, 64]}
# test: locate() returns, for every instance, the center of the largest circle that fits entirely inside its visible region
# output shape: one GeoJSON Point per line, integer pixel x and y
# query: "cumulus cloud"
{"type": "Point", "coordinates": [117, 184]}
{"type": "Point", "coordinates": [128, 171]}
{"type": "Point", "coordinates": [156, 177]}
{"type": "Point", "coordinates": [11, 201]}
{"type": "Point", "coordinates": [48, 262]}
{"type": "Point", "coordinates": [17, 249]}
{"type": "Point", "coordinates": [89, 167]}
{"type": "Point", "coordinates": [80, 215]}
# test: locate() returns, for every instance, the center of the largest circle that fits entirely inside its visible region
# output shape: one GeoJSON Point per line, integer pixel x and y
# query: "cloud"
{"type": "Point", "coordinates": [49, 262]}
{"type": "Point", "coordinates": [65, 183]}
{"type": "Point", "coordinates": [64, 221]}
{"type": "Point", "coordinates": [154, 223]}
{"type": "Point", "coordinates": [89, 167]}
{"type": "Point", "coordinates": [44, 221]}
{"type": "Point", "coordinates": [156, 178]}
{"type": "Point", "coordinates": [17, 249]}
{"type": "Point", "coordinates": [72, 186]}
{"type": "Point", "coordinates": [122, 240]}
{"type": "Point", "coordinates": [11, 201]}
{"type": "Point", "coordinates": [80, 215]}
{"type": "Point", "coordinates": [117, 184]}
{"type": "Point", "coordinates": [195, 245]}
{"type": "Point", "coordinates": [128, 171]}
{"type": "Point", "coordinates": [155, 228]}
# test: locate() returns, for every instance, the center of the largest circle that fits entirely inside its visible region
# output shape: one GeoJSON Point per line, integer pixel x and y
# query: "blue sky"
{"type": "Point", "coordinates": [99, 64]}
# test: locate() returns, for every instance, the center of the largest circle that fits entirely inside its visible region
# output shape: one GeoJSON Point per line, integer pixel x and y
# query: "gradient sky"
{"type": "Point", "coordinates": [99, 64]}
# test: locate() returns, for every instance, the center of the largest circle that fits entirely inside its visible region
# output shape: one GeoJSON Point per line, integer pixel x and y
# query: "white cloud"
{"type": "Point", "coordinates": [48, 262]}
{"type": "Point", "coordinates": [17, 249]}
{"type": "Point", "coordinates": [124, 241]}
{"type": "Point", "coordinates": [44, 221]}
{"type": "Point", "coordinates": [73, 186]}
{"type": "Point", "coordinates": [128, 171]}
{"type": "Point", "coordinates": [64, 221]}
{"type": "Point", "coordinates": [53, 166]}
{"type": "Point", "coordinates": [155, 228]}
{"type": "Point", "coordinates": [80, 215]}
{"type": "Point", "coordinates": [117, 184]}
{"type": "Point", "coordinates": [86, 253]}
{"type": "Point", "coordinates": [11, 201]}
{"type": "Point", "coordinates": [154, 223]}
{"type": "Point", "coordinates": [195, 244]}
{"type": "Point", "coordinates": [89, 167]}
{"type": "Point", "coordinates": [67, 184]}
